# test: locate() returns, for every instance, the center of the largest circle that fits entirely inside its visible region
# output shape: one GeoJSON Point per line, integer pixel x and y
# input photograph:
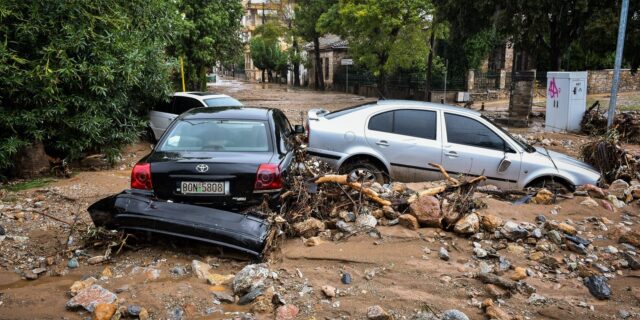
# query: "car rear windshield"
{"type": "Point", "coordinates": [348, 110]}
{"type": "Point", "coordinates": [223, 102]}
{"type": "Point", "coordinates": [218, 135]}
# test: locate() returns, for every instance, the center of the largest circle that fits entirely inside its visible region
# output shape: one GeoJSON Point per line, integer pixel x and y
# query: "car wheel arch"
{"type": "Point", "coordinates": [563, 180]}
{"type": "Point", "coordinates": [365, 157]}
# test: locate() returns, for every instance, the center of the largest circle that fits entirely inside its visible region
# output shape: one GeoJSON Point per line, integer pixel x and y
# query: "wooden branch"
{"type": "Point", "coordinates": [497, 280]}
{"type": "Point", "coordinates": [445, 174]}
{"type": "Point", "coordinates": [340, 179]}
{"type": "Point", "coordinates": [343, 180]}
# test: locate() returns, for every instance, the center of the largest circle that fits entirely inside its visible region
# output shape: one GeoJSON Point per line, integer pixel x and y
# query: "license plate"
{"type": "Point", "coordinates": [203, 187]}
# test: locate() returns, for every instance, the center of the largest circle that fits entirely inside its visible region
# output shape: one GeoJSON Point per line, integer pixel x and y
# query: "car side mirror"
{"type": "Point", "coordinates": [298, 128]}
{"type": "Point", "coordinates": [504, 165]}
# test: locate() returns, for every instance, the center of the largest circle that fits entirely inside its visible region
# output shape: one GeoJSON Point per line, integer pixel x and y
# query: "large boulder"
{"type": "Point", "coordinates": [409, 221]}
{"type": "Point", "coordinates": [309, 228]}
{"type": "Point", "coordinates": [490, 222]}
{"type": "Point", "coordinates": [427, 211]}
{"type": "Point", "coordinates": [91, 297]}
{"type": "Point", "coordinates": [618, 188]}
{"type": "Point", "coordinates": [513, 231]}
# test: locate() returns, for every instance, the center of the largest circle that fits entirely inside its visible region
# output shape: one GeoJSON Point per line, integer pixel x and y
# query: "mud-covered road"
{"type": "Point", "coordinates": [401, 271]}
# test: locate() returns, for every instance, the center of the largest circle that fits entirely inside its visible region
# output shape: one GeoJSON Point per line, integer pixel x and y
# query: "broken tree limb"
{"type": "Point", "coordinates": [445, 174]}
{"type": "Point", "coordinates": [343, 180]}
{"type": "Point", "coordinates": [497, 280]}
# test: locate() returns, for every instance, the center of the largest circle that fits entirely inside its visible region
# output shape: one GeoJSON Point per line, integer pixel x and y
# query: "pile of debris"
{"type": "Point", "coordinates": [626, 123]}
{"type": "Point", "coordinates": [614, 162]}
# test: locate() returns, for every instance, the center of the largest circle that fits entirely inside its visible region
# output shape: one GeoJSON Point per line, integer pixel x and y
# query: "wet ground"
{"type": "Point", "coordinates": [400, 272]}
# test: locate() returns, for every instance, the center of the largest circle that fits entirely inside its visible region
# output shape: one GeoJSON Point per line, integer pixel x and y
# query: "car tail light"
{"type": "Point", "coordinates": [141, 177]}
{"type": "Point", "coordinates": [268, 177]}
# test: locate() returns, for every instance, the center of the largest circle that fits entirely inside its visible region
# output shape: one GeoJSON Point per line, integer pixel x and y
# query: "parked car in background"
{"type": "Point", "coordinates": [395, 139]}
{"type": "Point", "coordinates": [162, 114]}
{"type": "Point", "coordinates": [226, 157]}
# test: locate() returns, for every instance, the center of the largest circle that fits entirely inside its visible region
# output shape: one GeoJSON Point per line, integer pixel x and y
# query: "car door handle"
{"type": "Point", "coordinates": [383, 143]}
{"type": "Point", "coordinates": [451, 154]}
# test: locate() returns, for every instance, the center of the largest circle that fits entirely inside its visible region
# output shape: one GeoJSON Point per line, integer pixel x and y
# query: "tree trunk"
{"type": "Point", "coordinates": [318, 65]}
{"type": "Point", "coordinates": [270, 74]}
{"type": "Point", "coordinates": [263, 75]}
{"type": "Point", "coordinates": [296, 66]}
{"type": "Point", "coordinates": [382, 84]}
{"type": "Point", "coordinates": [554, 45]}
{"type": "Point", "coordinates": [202, 79]}
{"type": "Point", "coordinates": [432, 52]}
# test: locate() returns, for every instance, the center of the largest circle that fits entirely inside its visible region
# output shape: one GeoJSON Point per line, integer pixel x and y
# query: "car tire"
{"type": "Point", "coordinates": [370, 171]}
{"type": "Point", "coordinates": [552, 185]}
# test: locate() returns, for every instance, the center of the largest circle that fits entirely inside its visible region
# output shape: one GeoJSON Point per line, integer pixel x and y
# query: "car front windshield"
{"type": "Point", "coordinates": [218, 136]}
{"type": "Point", "coordinates": [527, 147]}
{"type": "Point", "coordinates": [223, 102]}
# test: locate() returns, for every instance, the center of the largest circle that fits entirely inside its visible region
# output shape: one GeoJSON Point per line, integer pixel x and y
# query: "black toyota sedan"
{"type": "Point", "coordinates": [219, 157]}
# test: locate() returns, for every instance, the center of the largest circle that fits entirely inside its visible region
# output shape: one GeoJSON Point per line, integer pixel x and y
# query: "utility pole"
{"type": "Point", "coordinates": [616, 72]}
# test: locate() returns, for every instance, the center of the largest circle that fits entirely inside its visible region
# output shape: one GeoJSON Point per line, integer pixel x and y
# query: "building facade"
{"type": "Point", "coordinates": [332, 50]}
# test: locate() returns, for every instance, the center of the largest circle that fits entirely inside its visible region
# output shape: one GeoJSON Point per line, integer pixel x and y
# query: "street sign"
{"type": "Point", "coordinates": [346, 62]}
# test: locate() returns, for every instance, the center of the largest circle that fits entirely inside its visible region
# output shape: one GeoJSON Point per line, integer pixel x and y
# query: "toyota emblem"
{"type": "Point", "coordinates": [202, 168]}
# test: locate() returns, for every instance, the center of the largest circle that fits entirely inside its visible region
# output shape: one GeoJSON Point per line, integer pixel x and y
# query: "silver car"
{"type": "Point", "coordinates": [396, 139]}
{"type": "Point", "coordinates": [163, 114]}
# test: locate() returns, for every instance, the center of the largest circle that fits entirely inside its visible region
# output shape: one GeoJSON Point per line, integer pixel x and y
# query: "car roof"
{"type": "Point", "coordinates": [200, 95]}
{"type": "Point", "coordinates": [241, 113]}
{"type": "Point", "coordinates": [411, 103]}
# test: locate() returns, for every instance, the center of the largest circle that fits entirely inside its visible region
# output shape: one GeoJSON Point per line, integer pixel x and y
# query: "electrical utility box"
{"type": "Point", "coordinates": [566, 100]}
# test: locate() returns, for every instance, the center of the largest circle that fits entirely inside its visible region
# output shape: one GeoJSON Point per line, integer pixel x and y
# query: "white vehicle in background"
{"type": "Point", "coordinates": [163, 114]}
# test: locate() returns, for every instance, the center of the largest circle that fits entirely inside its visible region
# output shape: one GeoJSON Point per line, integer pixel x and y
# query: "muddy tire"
{"type": "Point", "coordinates": [363, 169]}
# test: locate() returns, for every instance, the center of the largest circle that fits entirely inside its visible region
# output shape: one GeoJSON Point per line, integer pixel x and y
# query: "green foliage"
{"type": "Point", "coordinates": [266, 51]}
{"type": "Point", "coordinates": [29, 184]}
{"type": "Point", "coordinates": [209, 32]}
{"type": "Point", "coordinates": [78, 75]}
{"type": "Point", "coordinates": [478, 47]}
{"type": "Point", "coordinates": [384, 35]}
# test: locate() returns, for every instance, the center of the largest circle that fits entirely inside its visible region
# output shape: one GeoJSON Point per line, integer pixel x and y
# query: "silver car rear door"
{"type": "Point", "coordinates": [160, 117]}
{"type": "Point", "coordinates": [472, 148]}
{"type": "Point", "coordinates": [408, 139]}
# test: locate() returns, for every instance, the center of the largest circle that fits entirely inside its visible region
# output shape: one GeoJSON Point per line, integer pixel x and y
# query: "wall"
{"type": "Point", "coordinates": [600, 81]}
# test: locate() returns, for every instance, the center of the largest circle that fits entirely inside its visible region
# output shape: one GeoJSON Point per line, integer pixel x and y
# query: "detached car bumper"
{"type": "Point", "coordinates": [132, 211]}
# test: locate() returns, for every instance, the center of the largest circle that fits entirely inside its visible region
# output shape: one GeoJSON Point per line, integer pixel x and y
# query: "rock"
{"type": "Point", "coordinates": [490, 222]}
{"type": "Point", "coordinates": [347, 216]}
{"type": "Point", "coordinates": [366, 221]}
{"type": "Point", "coordinates": [541, 219]}
{"type": "Point", "coordinates": [555, 236]}
{"type": "Point", "coordinates": [377, 313]}
{"type": "Point", "coordinates": [633, 261]}
{"type": "Point", "coordinates": [176, 313]}
{"type": "Point", "coordinates": [443, 254]}
{"type": "Point", "coordinates": [479, 252]}
{"type": "Point", "coordinates": [78, 286]}
{"type": "Point", "coordinates": [148, 272]}
{"type": "Point", "coordinates": [543, 196]}
{"type": "Point", "coordinates": [485, 267]}
{"type": "Point", "coordinates": [611, 249]}
{"type": "Point", "coordinates": [566, 228]}
{"type": "Point", "coordinates": [287, 312]}
{"type": "Point", "coordinates": [518, 274]}
{"type": "Point", "coordinates": [329, 291]}
{"type": "Point", "coordinates": [2, 232]}
{"type": "Point", "coordinates": [134, 310]}
{"type": "Point", "coordinates": [346, 278]}
{"type": "Point", "coordinates": [215, 279]}
{"type": "Point", "coordinates": [104, 311]}
{"type": "Point", "coordinates": [398, 187]}
{"type": "Point", "coordinates": [632, 237]}
{"type": "Point", "coordinates": [537, 233]}
{"type": "Point", "coordinates": [249, 278]}
{"type": "Point", "coordinates": [144, 314]}
{"type": "Point", "coordinates": [607, 205]}
{"type": "Point", "coordinates": [309, 228]}
{"type": "Point", "coordinates": [598, 286]}
{"type": "Point", "coordinates": [90, 297]}
{"type": "Point", "coordinates": [96, 260]}
{"type": "Point", "coordinates": [615, 202]}
{"type": "Point", "coordinates": [223, 297]}
{"type": "Point", "coordinates": [589, 202]}
{"type": "Point", "coordinates": [344, 227]}
{"type": "Point", "coordinates": [408, 221]}
{"type": "Point", "coordinates": [251, 295]}
{"type": "Point", "coordinates": [73, 263]}
{"type": "Point", "coordinates": [513, 231]}
{"type": "Point", "coordinates": [495, 291]}
{"type": "Point", "coordinates": [618, 188]}
{"type": "Point", "coordinates": [537, 299]}
{"type": "Point", "coordinates": [389, 213]}
{"type": "Point", "coordinates": [454, 315]}
{"type": "Point", "coordinates": [178, 270]}
{"type": "Point", "coordinates": [535, 256]}
{"type": "Point", "coordinates": [106, 272]}
{"type": "Point", "coordinates": [593, 191]}
{"type": "Point", "coordinates": [30, 275]}
{"type": "Point", "coordinates": [427, 211]}
{"type": "Point", "coordinates": [515, 249]}
{"type": "Point", "coordinates": [494, 312]}
{"type": "Point", "coordinates": [624, 314]}
{"type": "Point", "coordinates": [200, 269]}
{"type": "Point", "coordinates": [469, 224]}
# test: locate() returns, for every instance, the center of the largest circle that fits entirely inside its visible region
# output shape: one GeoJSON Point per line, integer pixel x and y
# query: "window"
{"type": "Point", "coordinates": [217, 136]}
{"type": "Point", "coordinates": [164, 106]}
{"type": "Point", "coordinates": [182, 104]}
{"type": "Point", "coordinates": [413, 123]}
{"type": "Point", "coordinates": [283, 131]}
{"type": "Point", "coordinates": [463, 130]}
{"type": "Point", "coordinates": [326, 68]}
{"type": "Point", "coordinates": [222, 102]}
